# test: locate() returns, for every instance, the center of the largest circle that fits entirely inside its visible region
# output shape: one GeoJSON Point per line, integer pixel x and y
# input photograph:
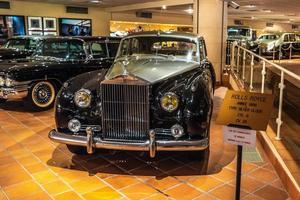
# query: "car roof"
{"type": "Point", "coordinates": [166, 33]}
{"type": "Point", "coordinates": [81, 38]}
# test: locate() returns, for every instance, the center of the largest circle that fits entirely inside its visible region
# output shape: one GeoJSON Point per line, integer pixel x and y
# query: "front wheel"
{"type": "Point", "coordinates": [42, 95]}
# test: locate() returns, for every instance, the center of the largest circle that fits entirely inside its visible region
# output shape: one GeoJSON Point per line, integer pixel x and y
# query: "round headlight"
{"type": "Point", "coordinates": [9, 82]}
{"type": "Point", "coordinates": [83, 98]}
{"type": "Point", "coordinates": [74, 125]}
{"type": "Point", "coordinates": [2, 81]}
{"type": "Point", "coordinates": [169, 102]}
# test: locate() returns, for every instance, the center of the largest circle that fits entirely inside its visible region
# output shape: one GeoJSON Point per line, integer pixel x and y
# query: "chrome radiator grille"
{"type": "Point", "coordinates": [125, 109]}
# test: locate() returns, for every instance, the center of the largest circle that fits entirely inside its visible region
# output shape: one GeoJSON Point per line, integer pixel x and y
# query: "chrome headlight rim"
{"type": "Point", "coordinates": [83, 104]}
{"type": "Point", "coordinates": [9, 82]}
{"type": "Point", "coordinates": [170, 94]}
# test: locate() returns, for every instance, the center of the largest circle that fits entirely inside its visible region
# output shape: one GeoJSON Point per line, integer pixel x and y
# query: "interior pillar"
{"type": "Point", "coordinates": [210, 21]}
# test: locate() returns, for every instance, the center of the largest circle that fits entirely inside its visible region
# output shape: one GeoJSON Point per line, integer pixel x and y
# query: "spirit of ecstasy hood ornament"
{"type": "Point", "coordinates": [124, 65]}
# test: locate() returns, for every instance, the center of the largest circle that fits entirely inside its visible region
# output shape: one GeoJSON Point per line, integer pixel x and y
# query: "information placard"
{"type": "Point", "coordinates": [239, 136]}
{"type": "Point", "coordinates": [246, 109]}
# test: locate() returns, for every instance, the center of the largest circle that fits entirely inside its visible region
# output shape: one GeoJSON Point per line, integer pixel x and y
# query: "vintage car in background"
{"type": "Point", "coordinates": [55, 61]}
{"type": "Point", "coordinates": [157, 96]}
{"type": "Point", "coordinates": [276, 42]}
{"type": "Point", "coordinates": [19, 47]}
{"type": "Point", "coordinates": [243, 35]}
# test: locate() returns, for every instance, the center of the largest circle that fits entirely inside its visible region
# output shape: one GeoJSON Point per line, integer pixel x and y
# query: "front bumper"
{"type": "Point", "coordinates": [152, 145]}
{"type": "Point", "coordinates": [13, 93]}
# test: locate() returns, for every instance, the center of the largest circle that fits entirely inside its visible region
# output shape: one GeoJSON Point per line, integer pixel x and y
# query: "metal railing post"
{"type": "Point", "coordinates": [291, 49]}
{"type": "Point", "coordinates": [238, 60]}
{"type": "Point", "coordinates": [251, 72]}
{"type": "Point", "coordinates": [263, 73]}
{"type": "Point", "coordinates": [232, 55]}
{"type": "Point", "coordinates": [244, 66]}
{"type": "Point", "coordinates": [279, 119]}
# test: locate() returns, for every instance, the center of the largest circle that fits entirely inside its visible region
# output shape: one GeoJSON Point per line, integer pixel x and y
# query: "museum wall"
{"type": "Point", "coordinates": [100, 18]}
{"type": "Point", "coordinates": [260, 26]}
{"type": "Point", "coordinates": [156, 18]}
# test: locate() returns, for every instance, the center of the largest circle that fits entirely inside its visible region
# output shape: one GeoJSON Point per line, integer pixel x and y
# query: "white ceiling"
{"type": "Point", "coordinates": [287, 11]}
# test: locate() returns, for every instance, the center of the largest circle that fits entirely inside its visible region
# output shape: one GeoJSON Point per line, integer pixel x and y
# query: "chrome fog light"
{"type": "Point", "coordinates": [74, 125]}
{"type": "Point", "coordinates": [177, 131]}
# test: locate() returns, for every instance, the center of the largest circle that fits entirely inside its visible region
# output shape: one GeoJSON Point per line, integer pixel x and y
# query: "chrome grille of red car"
{"type": "Point", "coordinates": [125, 109]}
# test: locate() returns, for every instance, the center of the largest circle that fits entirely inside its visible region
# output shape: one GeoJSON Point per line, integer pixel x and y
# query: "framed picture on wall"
{"type": "Point", "coordinates": [35, 24]}
{"type": "Point", "coordinates": [49, 24]}
{"type": "Point", "coordinates": [37, 33]}
{"type": "Point", "coordinates": [50, 33]}
{"type": "Point", "coordinates": [75, 27]}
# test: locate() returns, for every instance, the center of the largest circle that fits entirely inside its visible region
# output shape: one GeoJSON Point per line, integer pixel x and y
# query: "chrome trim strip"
{"type": "Point", "coordinates": [13, 93]}
{"type": "Point", "coordinates": [160, 145]}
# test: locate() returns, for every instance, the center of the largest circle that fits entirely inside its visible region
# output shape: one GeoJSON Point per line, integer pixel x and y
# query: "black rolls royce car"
{"type": "Point", "coordinates": [157, 96]}
{"type": "Point", "coordinates": [54, 62]}
{"type": "Point", "coordinates": [19, 47]}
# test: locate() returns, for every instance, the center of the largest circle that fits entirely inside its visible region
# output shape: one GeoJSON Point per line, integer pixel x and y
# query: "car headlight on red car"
{"type": "Point", "coordinates": [83, 98]}
{"type": "Point", "coordinates": [169, 102]}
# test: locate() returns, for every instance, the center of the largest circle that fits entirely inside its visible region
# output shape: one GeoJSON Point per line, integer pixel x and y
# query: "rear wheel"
{"type": "Point", "coordinates": [79, 150]}
{"type": "Point", "coordinates": [42, 95]}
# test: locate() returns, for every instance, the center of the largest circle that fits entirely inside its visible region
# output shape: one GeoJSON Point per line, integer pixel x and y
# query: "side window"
{"type": "Point", "coordinates": [112, 49]}
{"type": "Point", "coordinates": [292, 38]}
{"type": "Point", "coordinates": [32, 44]}
{"type": "Point", "coordinates": [286, 38]}
{"type": "Point", "coordinates": [76, 50]}
{"type": "Point", "coordinates": [202, 50]}
{"type": "Point", "coordinates": [98, 50]}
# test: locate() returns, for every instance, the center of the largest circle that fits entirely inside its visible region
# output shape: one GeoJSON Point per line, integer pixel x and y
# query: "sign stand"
{"type": "Point", "coordinates": [238, 172]}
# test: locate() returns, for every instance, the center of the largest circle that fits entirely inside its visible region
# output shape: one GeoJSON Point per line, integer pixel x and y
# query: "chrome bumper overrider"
{"type": "Point", "coordinates": [150, 145]}
{"type": "Point", "coordinates": [8, 93]}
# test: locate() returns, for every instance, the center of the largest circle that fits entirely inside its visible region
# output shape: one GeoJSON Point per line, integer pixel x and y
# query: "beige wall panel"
{"type": "Point", "coordinates": [100, 18]}
{"type": "Point", "coordinates": [156, 18]}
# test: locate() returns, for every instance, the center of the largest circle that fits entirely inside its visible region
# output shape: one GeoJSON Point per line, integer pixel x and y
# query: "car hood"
{"type": "Point", "coordinates": [150, 69]}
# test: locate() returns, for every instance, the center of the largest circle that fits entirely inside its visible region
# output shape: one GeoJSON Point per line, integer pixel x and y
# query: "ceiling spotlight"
{"type": "Point", "coordinates": [164, 7]}
{"type": "Point", "coordinates": [253, 17]}
{"type": "Point", "coordinates": [190, 11]}
{"type": "Point", "coordinates": [233, 5]}
{"type": "Point", "coordinates": [95, 1]}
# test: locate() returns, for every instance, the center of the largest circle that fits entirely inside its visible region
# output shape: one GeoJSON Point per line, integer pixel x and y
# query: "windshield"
{"type": "Point", "coordinates": [16, 44]}
{"type": "Point", "coordinates": [239, 32]}
{"type": "Point", "coordinates": [165, 47]}
{"type": "Point", "coordinates": [62, 49]}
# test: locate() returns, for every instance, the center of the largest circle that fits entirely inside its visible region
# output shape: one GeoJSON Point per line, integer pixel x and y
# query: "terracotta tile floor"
{"type": "Point", "coordinates": [32, 167]}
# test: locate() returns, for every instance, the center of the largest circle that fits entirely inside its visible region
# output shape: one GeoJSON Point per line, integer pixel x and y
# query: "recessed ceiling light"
{"type": "Point", "coordinates": [266, 10]}
{"type": "Point", "coordinates": [190, 10]}
{"type": "Point", "coordinates": [95, 1]}
{"type": "Point", "coordinates": [253, 17]}
{"type": "Point", "coordinates": [164, 7]}
{"type": "Point", "coordinates": [250, 6]}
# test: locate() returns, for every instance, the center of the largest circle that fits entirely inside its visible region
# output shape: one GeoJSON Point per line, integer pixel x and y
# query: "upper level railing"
{"type": "Point", "coordinates": [243, 60]}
